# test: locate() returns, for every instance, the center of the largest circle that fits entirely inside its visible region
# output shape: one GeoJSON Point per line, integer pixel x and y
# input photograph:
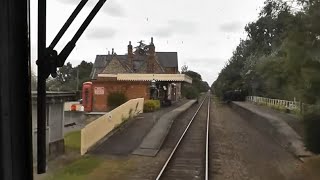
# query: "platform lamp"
{"type": "Point", "coordinates": [153, 89]}
{"type": "Point", "coordinates": [153, 84]}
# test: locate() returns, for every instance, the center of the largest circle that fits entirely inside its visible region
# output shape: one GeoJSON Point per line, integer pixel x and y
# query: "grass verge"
{"type": "Point", "coordinates": [72, 141]}
{"type": "Point", "coordinates": [79, 169]}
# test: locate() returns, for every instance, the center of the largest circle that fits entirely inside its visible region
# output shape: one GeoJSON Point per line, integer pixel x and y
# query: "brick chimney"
{"type": "Point", "coordinates": [130, 55]}
{"type": "Point", "coordinates": [151, 57]}
{"type": "Point", "coordinates": [152, 48]}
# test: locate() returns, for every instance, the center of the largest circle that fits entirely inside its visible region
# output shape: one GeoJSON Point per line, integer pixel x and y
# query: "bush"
{"type": "Point", "coordinates": [190, 92]}
{"type": "Point", "coordinates": [296, 112]}
{"type": "Point", "coordinates": [312, 132]}
{"type": "Point", "coordinates": [115, 99]}
{"type": "Point", "coordinates": [234, 95]}
{"type": "Point", "coordinates": [151, 105]}
{"type": "Point", "coordinates": [279, 108]}
{"type": "Point", "coordinates": [157, 104]}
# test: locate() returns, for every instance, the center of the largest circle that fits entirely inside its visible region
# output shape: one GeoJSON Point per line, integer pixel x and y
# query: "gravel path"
{"type": "Point", "coordinates": [239, 151]}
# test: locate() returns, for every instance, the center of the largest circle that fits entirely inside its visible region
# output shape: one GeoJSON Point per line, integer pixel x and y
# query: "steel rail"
{"type": "Point", "coordinates": [178, 143]}
{"type": "Point", "coordinates": [207, 142]}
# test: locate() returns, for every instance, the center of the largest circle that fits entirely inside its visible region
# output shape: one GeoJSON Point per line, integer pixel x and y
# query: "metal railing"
{"type": "Point", "coordinates": [291, 105]}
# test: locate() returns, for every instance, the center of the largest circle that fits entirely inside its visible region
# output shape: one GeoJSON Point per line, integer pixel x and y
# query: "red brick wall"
{"type": "Point", "coordinates": [132, 89]}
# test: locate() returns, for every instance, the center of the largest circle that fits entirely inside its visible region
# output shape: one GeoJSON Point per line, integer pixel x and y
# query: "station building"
{"type": "Point", "coordinates": [141, 73]}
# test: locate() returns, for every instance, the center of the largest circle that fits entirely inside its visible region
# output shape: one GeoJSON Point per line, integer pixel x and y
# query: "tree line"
{"type": "Point", "coordinates": [71, 78]}
{"type": "Point", "coordinates": [68, 78]}
{"type": "Point", "coordinates": [193, 90]}
{"type": "Point", "coordinates": [280, 57]}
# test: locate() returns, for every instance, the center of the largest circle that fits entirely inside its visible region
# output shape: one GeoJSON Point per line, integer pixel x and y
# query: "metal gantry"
{"type": "Point", "coordinates": [48, 62]}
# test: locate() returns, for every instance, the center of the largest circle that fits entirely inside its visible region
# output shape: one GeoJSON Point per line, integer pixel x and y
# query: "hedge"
{"type": "Point", "coordinates": [115, 99]}
{"type": "Point", "coordinates": [151, 105]}
{"type": "Point", "coordinates": [190, 92]}
{"type": "Point", "coordinates": [312, 130]}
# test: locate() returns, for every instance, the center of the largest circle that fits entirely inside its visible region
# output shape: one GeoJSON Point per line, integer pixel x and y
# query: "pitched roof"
{"type": "Point", "coordinates": [166, 60]}
{"type": "Point", "coordinates": [99, 65]}
{"type": "Point", "coordinates": [115, 66]}
{"type": "Point", "coordinates": [102, 61]}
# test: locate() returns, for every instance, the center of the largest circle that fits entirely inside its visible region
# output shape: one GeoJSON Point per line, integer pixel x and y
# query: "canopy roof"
{"type": "Point", "coordinates": [149, 77]}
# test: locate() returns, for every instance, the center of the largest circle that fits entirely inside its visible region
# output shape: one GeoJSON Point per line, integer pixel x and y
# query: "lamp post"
{"type": "Point", "coordinates": [153, 88]}
{"type": "Point", "coordinates": [153, 84]}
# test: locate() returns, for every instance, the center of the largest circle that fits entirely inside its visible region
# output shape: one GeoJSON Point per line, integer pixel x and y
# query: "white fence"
{"type": "Point", "coordinates": [292, 105]}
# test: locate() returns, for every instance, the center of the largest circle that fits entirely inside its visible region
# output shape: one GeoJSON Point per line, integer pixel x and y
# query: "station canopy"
{"type": "Point", "coordinates": [149, 77]}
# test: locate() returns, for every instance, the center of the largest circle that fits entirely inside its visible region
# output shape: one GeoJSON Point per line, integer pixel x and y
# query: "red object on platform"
{"type": "Point", "coordinates": [87, 96]}
{"type": "Point", "coordinates": [73, 107]}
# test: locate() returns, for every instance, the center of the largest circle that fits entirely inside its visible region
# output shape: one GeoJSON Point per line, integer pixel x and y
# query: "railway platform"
{"type": "Point", "coordinates": [152, 142]}
{"type": "Point", "coordinates": [127, 139]}
{"type": "Point", "coordinates": [281, 126]}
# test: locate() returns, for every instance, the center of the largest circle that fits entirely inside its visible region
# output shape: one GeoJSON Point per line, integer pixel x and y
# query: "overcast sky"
{"type": "Point", "coordinates": [203, 32]}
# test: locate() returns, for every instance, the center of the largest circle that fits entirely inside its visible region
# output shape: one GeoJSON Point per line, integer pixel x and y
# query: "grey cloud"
{"type": "Point", "coordinates": [208, 73]}
{"type": "Point", "coordinates": [101, 32]}
{"type": "Point", "coordinates": [206, 62]}
{"type": "Point", "coordinates": [231, 27]}
{"type": "Point", "coordinates": [163, 32]}
{"type": "Point", "coordinates": [213, 43]}
{"type": "Point", "coordinates": [114, 9]}
{"type": "Point", "coordinates": [175, 27]}
{"type": "Point", "coordinates": [208, 67]}
{"type": "Point", "coordinates": [181, 26]}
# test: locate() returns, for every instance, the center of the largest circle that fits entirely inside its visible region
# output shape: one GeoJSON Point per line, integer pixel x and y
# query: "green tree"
{"type": "Point", "coordinates": [197, 86]}
{"type": "Point", "coordinates": [70, 78]}
{"type": "Point", "coordinates": [280, 56]}
{"type": "Point", "coordinates": [184, 69]}
{"type": "Point", "coordinates": [84, 70]}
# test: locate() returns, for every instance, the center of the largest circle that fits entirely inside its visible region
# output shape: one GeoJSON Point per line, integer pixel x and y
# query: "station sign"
{"type": "Point", "coordinates": [99, 90]}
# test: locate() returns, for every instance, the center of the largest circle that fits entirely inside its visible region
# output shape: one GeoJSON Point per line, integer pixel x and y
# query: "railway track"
{"type": "Point", "coordinates": [190, 157]}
